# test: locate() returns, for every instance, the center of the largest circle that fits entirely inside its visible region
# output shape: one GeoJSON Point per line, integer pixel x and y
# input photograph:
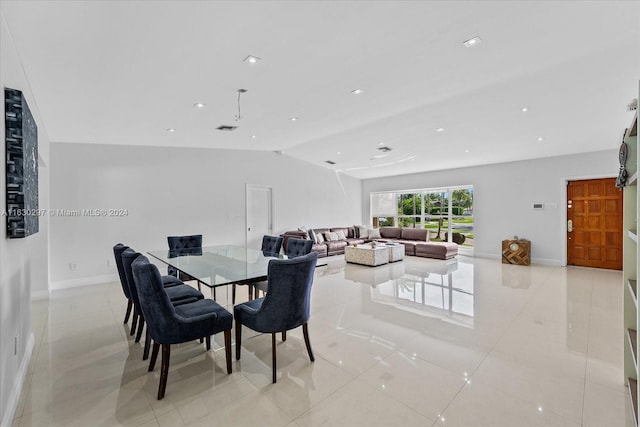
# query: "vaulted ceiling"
{"type": "Point", "coordinates": [125, 72]}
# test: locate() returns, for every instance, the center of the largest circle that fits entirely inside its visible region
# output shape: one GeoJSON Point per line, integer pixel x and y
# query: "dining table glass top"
{"type": "Point", "coordinates": [219, 265]}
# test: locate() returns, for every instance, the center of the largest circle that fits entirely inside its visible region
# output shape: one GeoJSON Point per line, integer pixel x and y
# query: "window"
{"type": "Point", "coordinates": [446, 212]}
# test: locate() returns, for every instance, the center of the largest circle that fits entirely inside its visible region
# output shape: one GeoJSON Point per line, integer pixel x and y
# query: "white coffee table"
{"type": "Point", "coordinates": [396, 252]}
{"type": "Point", "coordinates": [365, 254]}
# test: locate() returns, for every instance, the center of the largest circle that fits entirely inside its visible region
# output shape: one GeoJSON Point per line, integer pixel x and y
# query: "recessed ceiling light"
{"type": "Point", "coordinates": [381, 143]}
{"type": "Point", "coordinates": [252, 137]}
{"type": "Point", "coordinates": [251, 59]}
{"type": "Point", "coordinates": [472, 42]}
{"type": "Point", "coordinates": [540, 138]}
{"type": "Point", "coordinates": [357, 91]}
{"type": "Point", "coordinates": [524, 109]}
{"type": "Point", "coordinates": [199, 105]}
{"type": "Point", "coordinates": [338, 153]}
{"type": "Point", "coordinates": [440, 130]}
{"type": "Point", "coordinates": [466, 151]}
{"type": "Point", "coordinates": [171, 130]}
{"type": "Point", "coordinates": [294, 119]}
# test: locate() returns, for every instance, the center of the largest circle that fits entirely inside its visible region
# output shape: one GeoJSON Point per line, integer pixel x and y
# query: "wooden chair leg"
{"type": "Point", "coordinates": [147, 344]}
{"type": "Point", "coordinates": [129, 306]}
{"type": "Point", "coordinates": [273, 355]}
{"type": "Point", "coordinates": [284, 335]}
{"type": "Point", "coordinates": [154, 356]}
{"type": "Point", "coordinates": [208, 339]}
{"type": "Point", "coordinates": [305, 332]}
{"type": "Point", "coordinates": [164, 370]}
{"type": "Point", "coordinates": [134, 322]}
{"type": "Point", "coordinates": [233, 294]}
{"type": "Point", "coordinates": [140, 328]}
{"type": "Point", "coordinates": [214, 293]}
{"type": "Point", "coordinates": [238, 338]}
{"type": "Point", "coordinates": [227, 349]}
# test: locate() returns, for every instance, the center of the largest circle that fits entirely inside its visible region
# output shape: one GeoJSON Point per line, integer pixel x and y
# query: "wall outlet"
{"type": "Point", "coordinates": [72, 266]}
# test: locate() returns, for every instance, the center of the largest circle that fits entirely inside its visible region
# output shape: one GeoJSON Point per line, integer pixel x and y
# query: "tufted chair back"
{"type": "Point", "coordinates": [184, 242]}
{"type": "Point", "coordinates": [298, 247]}
{"type": "Point", "coordinates": [177, 243]}
{"type": "Point", "coordinates": [271, 244]}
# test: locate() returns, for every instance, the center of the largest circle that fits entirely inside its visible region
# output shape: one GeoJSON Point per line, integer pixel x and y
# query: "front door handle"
{"type": "Point", "coordinates": [569, 226]}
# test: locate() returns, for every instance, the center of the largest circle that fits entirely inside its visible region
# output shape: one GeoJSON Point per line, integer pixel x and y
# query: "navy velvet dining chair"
{"type": "Point", "coordinates": [178, 243]}
{"type": "Point", "coordinates": [118, 248]}
{"type": "Point", "coordinates": [271, 246]}
{"type": "Point", "coordinates": [295, 248]}
{"type": "Point", "coordinates": [179, 294]}
{"type": "Point", "coordinates": [169, 324]}
{"type": "Point", "coordinates": [117, 254]}
{"type": "Point", "coordinates": [285, 306]}
{"type": "Point", "coordinates": [168, 281]}
{"type": "Point", "coordinates": [298, 247]}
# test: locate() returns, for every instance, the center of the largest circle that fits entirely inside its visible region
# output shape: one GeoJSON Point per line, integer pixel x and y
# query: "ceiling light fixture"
{"type": "Point", "coordinates": [293, 119]}
{"type": "Point", "coordinates": [381, 143]}
{"type": "Point", "coordinates": [472, 42]}
{"type": "Point", "coordinates": [252, 137]}
{"type": "Point", "coordinates": [338, 153]}
{"type": "Point", "coordinates": [199, 105]}
{"type": "Point", "coordinates": [440, 130]}
{"type": "Point", "coordinates": [540, 138]}
{"type": "Point", "coordinates": [524, 109]}
{"type": "Point", "coordinates": [466, 151]}
{"type": "Point", "coordinates": [171, 130]}
{"type": "Point", "coordinates": [357, 91]}
{"type": "Point", "coordinates": [251, 59]}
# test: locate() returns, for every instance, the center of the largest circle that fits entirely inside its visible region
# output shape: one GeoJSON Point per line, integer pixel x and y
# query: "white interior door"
{"type": "Point", "coordinates": [259, 214]}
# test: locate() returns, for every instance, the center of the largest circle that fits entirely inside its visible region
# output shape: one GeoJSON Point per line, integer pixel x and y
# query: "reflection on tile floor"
{"type": "Point", "coordinates": [465, 342]}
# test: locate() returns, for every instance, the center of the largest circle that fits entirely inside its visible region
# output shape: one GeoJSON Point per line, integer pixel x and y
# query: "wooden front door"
{"type": "Point", "coordinates": [594, 226]}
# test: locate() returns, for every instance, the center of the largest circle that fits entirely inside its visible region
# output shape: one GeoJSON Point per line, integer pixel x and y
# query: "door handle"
{"type": "Point", "coordinates": [569, 226]}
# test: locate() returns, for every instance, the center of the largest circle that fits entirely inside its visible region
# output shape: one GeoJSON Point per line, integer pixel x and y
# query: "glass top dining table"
{"type": "Point", "coordinates": [221, 265]}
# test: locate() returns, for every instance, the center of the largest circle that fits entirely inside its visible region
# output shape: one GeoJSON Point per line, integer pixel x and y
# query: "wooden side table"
{"type": "Point", "coordinates": [516, 252]}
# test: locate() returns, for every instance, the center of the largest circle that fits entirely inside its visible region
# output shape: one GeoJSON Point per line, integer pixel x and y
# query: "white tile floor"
{"type": "Point", "coordinates": [469, 342]}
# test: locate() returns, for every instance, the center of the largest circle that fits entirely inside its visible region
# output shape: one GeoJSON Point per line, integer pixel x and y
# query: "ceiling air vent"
{"type": "Point", "coordinates": [330, 162]}
{"type": "Point", "coordinates": [227, 128]}
{"type": "Point", "coordinates": [384, 149]}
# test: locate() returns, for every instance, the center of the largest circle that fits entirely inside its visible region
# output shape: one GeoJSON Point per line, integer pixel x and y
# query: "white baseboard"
{"type": "Point", "coordinates": [16, 390]}
{"type": "Point", "coordinates": [83, 281]}
{"type": "Point", "coordinates": [539, 261]}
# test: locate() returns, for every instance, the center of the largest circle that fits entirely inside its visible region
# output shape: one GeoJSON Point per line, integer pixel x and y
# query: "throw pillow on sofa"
{"type": "Point", "coordinates": [363, 231]}
{"type": "Point", "coordinates": [319, 238]}
{"type": "Point", "coordinates": [341, 235]}
{"type": "Point", "coordinates": [331, 236]}
{"type": "Point", "coordinates": [374, 234]}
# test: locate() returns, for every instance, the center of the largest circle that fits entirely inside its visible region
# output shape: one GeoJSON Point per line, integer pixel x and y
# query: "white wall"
{"type": "Point", "coordinates": [168, 191]}
{"type": "Point", "coordinates": [23, 262]}
{"type": "Point", "coordinates": [503, 198]}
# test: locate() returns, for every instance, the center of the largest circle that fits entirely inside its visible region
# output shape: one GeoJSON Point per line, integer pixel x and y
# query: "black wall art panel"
{"type": "Point", "coordinates": [21, 137]}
